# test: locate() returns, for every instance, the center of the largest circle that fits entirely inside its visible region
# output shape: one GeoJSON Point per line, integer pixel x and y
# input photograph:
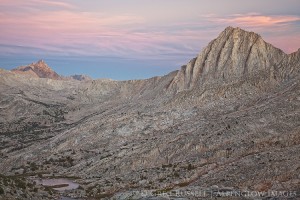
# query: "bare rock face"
{"type": "Point", "coordinates": [227, 121]}
{"type": "Point", "coordinates": [235, 56]}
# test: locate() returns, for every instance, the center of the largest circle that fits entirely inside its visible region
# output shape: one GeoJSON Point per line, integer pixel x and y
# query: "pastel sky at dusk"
{"type": "Point", "coordinates": [133, 39]}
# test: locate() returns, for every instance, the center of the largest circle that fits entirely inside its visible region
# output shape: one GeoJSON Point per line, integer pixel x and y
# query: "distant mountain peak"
{"type": "Point", "coordinates": [81, 77]}
{"type": "Point", "coordinates": [39, 69]}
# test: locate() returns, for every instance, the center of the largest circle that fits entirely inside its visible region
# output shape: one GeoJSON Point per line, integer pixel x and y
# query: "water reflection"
{"type": "Point", "coordinates": [59, 184]}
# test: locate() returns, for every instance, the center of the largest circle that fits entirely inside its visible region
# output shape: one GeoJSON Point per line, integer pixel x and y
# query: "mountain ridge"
{"type": "Point", "coordinates": [235, 63]}
{"type": "Point", "coordinates": [244, 55]}
{"type": "Point", "coordinates": [186, 69]}
{"type": "Point", "coordinates": [227, 121]}
{"type": "Point", "coordinates": [40, 69]}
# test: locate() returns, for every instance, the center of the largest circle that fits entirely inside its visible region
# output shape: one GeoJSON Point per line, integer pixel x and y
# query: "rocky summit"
{"type": "Point", "coordinates": [224, 126]}
{"type": "Point", "coordinates": [39, 69]}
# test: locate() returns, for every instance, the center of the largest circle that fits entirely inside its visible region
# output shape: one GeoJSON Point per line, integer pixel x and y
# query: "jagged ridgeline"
{"type": "Point", "coordinates": [41, 70]}
{"type": "Point", "coordinates": [228, 120]}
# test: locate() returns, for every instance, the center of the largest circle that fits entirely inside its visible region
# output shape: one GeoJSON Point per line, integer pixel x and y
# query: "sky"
{"type": "Point", "coordinates": [133, 39]}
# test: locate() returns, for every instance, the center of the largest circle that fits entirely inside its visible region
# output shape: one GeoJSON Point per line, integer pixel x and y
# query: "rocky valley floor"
{"type": "Point", "coordinates": [219, 128]}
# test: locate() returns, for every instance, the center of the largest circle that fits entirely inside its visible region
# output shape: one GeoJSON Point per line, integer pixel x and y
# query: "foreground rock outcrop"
{"type": "Point", "coordinates": [227, 121]}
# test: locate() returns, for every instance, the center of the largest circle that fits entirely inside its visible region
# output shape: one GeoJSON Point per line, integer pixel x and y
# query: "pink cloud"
{"type": "Point", "coordinates": [70, 31]}
{"type": "Point", "coordinates": [259, 20]}
{"type": "Point", "coordinates": [53, 3]}
{"type": "Point", "coordinates": [87, 33]}
{"type": "Point", "coordinates": [62, 27]}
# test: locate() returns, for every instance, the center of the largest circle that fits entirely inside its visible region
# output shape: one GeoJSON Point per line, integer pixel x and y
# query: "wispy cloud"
{"type": "Point", "coordinates": [256, 20]}
{"type": "Point", "coordinates": [152, 32]}
{"type": "Point", "coordinates": [36, 3]}
{"type": "Point", "coordinates": [52, 3]}
{"type": "Point", "coordinates": [65, 29]}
